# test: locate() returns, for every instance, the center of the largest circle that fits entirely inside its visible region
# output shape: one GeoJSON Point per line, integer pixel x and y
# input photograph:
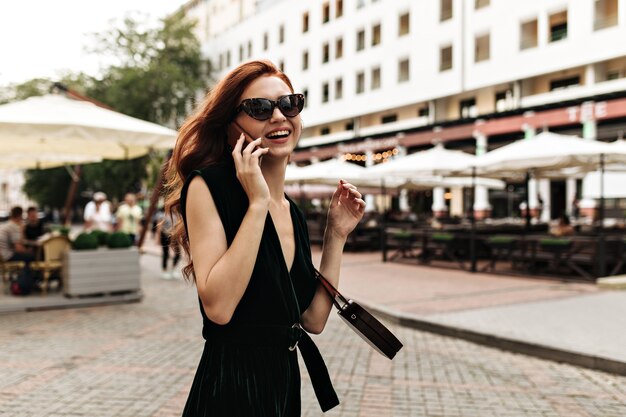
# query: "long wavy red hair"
{"type": "Point", "coordinates": [202, 140]}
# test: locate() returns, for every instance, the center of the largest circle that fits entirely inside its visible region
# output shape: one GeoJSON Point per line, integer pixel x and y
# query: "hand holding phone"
{"type": "Point", "coordinates": [247, 164]}
{"type": "Point", "coordinates": [247, 137]}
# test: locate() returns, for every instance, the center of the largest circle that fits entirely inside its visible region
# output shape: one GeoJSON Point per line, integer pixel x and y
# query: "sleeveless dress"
{"type": "Point", "coordinates": [249, 367]}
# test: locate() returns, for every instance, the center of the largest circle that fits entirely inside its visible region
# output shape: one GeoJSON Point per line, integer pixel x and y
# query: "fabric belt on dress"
{"type": "Point", "coordinates": [288, 337]}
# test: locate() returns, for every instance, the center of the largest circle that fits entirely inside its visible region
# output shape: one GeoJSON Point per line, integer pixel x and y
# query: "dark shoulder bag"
{"type": "Point", "coordinates": [362, 322]}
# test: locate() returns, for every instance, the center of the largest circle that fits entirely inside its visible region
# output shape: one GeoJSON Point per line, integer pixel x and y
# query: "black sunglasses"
{"type": "Point", "coordinates": [262, 108]}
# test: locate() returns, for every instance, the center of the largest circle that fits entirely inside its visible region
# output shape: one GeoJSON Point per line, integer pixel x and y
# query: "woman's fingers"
{"type": "Point", "coordinates": [258, 152]}
{"type": "Point", "coordinates": [251, 146]}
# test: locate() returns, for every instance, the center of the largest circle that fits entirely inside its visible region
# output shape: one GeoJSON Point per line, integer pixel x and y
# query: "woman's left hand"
{"type": "Point", "coordinates": [346, 209]}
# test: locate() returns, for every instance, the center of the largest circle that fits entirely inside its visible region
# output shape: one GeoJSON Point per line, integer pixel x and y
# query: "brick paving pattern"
{"type": "Point", "coordinates": [139, 359]}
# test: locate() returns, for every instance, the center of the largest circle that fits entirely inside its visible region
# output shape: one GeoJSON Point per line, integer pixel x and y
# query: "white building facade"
{"type": "Point", "coordinates": [473, 74]}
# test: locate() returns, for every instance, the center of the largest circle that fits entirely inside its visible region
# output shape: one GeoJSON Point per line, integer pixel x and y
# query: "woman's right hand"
{"type": "Point", "coordinates": [249, 171]}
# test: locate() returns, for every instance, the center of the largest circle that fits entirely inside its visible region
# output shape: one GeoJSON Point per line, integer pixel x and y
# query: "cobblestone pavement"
{"type": "Point", "coordinates": [139, 359]}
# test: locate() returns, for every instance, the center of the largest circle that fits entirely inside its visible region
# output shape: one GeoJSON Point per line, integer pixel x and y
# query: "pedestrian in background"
{"type": "Point", "coordinates": [248, 247]}
{"type": "Point", "coordinates": [163, 237]}
{"type": "Point", "coordinates": [128, 217]}
{"type": "Point", "coordinates": [97, 213]}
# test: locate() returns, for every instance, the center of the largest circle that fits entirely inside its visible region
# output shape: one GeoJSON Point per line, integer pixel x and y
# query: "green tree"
{"type": "Point", "coordinates": [160, 70]}
{"type": "Point", "coordinates": [156, 78]}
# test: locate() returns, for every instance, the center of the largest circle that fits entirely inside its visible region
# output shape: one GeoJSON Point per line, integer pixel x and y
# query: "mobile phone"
{"type": "Point", "coordinates": [247, 136]}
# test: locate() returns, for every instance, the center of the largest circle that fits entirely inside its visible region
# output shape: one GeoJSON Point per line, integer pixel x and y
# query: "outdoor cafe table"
{"type": "Point", "coordinates": [533, 252]}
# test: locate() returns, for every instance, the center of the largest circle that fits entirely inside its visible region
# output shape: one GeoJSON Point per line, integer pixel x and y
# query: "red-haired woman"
{"type": "Point", "coordinates": [249, 250]}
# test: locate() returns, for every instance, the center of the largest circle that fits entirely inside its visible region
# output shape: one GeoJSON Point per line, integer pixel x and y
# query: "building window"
{"type": "Point", "coordinates": [305, 22]}
{"type": "Point", "coordinates": [468, 108]}
{"type": "Point", "coordinates": [220, 65]}
{"type": "Point", "coordinates": [529, 35]}
{"type": "Point", "coordinates": [305, 60]}
{"type": "Point", "coordinates": [281, 65]}
{"type": "Point", "coordinates": [375, 78]}
{"type": "Point", "coordinates": [360, 82]}
{"type": "Point", "coordinates": [281, 34]}
{"type": "Point", "coordinates": [266, 41]}
{"type": "Point", "coordinates": [403, 70]}
{"type": "Point", "coordinates": [325, 13]}
{"type": "Point", "coordinates": [249, 49]}
{"type": "Point", "coordinates": [390, 118]}
{"type": "Point", "coordinates": [360, 3]}
{"type": "Point", "coordinates": [227, 59]}
{"type": "Point", "coordinates": [423, 111]}
{"type": "Point", "coordinates": [376, 35]}
{"type": "Point", "coordinates": [445, 58]}
{"type": "Point", "coordinates": [325, 53]}
{"type": "Point", "coordinates": [605, 14]}
{"type": "Point", "coordinates": [558, 26]}
{"type": "Point", "coordinates": [350, 126]}
{"type": "Point", "coordinates": [325, 131]}
{"type": "Point", "coordinates": [325, 93]}
{"type": "Point", "coordinates": [479, 4]}
{"type": "Point", "coordinates": [360, 40]}
{"type": "Point", "coordinates": [338, 8]}
{"type": "Point", "coordinates": [339, 48]}
{"type": "Point", "coordinates": [404, 25]}
{"type": "Point", "coordinates": [445, 11]}
{"type": "Point", "coordinates": [240, 53]}
{"type": "Point", "coordinates": [305, 93]}
{"type": "Point", "coordinates": [481, 48]}
{"type": "Point", "coordinates": [564, 83]}
{"type": "Point", "coordinates": [338, 88]}
{"type": "Point", "coordinates": [504, 100]}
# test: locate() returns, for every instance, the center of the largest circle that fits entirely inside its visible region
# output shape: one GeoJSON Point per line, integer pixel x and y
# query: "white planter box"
{"type": "Point", "coordinates": [101, 271]}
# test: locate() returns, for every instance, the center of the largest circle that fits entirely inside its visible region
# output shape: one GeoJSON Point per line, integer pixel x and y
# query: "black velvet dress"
{"type": "Point", "coordinates": [249, 366]}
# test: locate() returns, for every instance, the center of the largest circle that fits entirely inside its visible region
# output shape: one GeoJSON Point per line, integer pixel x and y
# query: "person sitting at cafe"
{"type": "Point", "coordinates": [34, 227]}
{"type": "Point", "coordinates": [563, 227]}
{"type": "Point", "coordinates": [12, 248]}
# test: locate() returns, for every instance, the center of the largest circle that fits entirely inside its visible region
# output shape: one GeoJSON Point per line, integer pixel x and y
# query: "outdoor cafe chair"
{"type": "Point", "coordinates": [446, 245]}
{"type": "Point", "coordinates": [500, 248]}
{"type": "Point", "coordinates": [53, 250]}
{"type": "Point", "coordinates": [9, 270]}
{"type": "Point", "coordinates": [559, 252]}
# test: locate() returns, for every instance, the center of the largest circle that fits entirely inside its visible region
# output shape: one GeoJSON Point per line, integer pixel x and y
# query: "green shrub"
{"type": "Point", "coordinates": [85, 241]}
{"type": "Point", "coordinates": [500, 240]}
{"type": "Point", "coordinates": [119, 240]}
{"type": "Point", "coordinates": [64, 230]}
{"type": "Point", "coordinates": [442, 237]}
{"type": "Point", "coordinates": [103, 237]}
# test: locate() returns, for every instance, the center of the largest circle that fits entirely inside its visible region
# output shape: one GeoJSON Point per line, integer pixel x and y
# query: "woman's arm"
{"type": "Point", "coordinates": [345, 211]}
{"type": "Point", "coordinates": [223, 273]}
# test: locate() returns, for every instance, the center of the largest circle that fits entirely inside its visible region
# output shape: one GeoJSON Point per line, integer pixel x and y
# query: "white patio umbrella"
{"type": "Point", "coordinates": [328, 172]}
{"type": "Point", "coordinates": [38, 160]}
{"type": "Point", "coordinates": [546, 155]}
{"type": "Point", "coordinates": [434, 161]}
{"type": "Point", "coordinates": [57, 124]}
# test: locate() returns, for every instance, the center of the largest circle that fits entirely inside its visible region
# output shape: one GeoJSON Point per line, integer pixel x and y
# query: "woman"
{"type": "Point", "coordinates": [248, 247]}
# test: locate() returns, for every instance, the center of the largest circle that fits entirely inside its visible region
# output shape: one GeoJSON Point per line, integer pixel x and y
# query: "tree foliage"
{"type": "Point", "coordinates": [156, 77]}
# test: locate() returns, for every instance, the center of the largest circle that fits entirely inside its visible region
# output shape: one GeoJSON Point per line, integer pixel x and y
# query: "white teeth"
{"type": "Point", "coordinates": [278, 133]}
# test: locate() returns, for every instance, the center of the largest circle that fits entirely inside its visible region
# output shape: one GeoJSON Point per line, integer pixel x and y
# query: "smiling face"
{"type": "Point", "coordinates": [279, 133]}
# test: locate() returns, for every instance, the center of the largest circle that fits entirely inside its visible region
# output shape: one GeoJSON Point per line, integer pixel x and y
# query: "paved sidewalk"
{"type": "Point", "coordinates": [570, 322]}
{"type": "Point", "coordinates": [566, 321]}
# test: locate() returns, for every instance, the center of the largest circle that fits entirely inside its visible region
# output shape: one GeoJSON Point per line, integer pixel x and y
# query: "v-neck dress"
{"type": "Point", "coordinates": [249, 366]}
